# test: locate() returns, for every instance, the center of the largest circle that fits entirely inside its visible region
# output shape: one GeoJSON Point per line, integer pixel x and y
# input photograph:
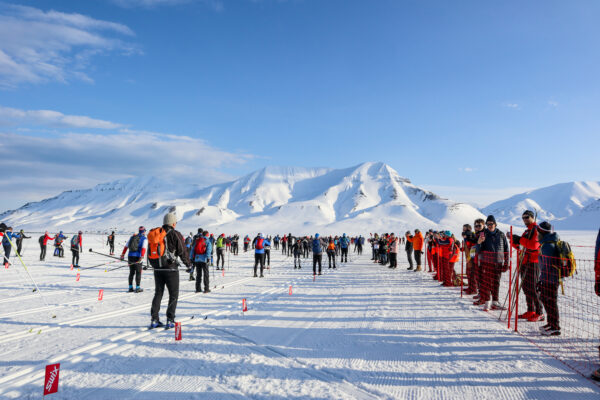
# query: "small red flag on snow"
{"type": "Point", "coordinates": [51, 380]}
{"type": "Point", "coordinates": [77, 279]}
{"type": "Point", "coordinates": [100, 294]}
{"type": "Point", "coordinates": [290, 290]}
{"type": "Point", "coordinates": [71, 267]}
{"type": "Point", "coordinates": [177, 330]}
{"type": "Point", "coordinates": [223, 273]}
{"type": "Point", "coordinates": [244, 305]}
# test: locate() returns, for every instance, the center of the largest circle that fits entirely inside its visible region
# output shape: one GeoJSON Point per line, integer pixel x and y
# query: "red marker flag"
{"type": "Point", "coordinates": [100, 294]}
{"type": "Point", "coordinates": [177, 330]}
{"type": "Point", "coordinates": [71, 267]}
{"type": "Point", "coordinates": [290, 290]}
{"type": "Point", "coordinates": [223, 271]}
{"type": "Point", "coordinates": [77, 279]}
{"type": "Point", "coordinates": [244, 305]}
{"type": "Point", "coordinates": [51, 380]}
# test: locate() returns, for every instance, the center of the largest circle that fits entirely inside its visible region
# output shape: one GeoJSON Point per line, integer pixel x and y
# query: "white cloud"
{"type": "Point", "coordinates": [467, 169]}
{"type": "Point", "coordinates": [10, 116]}
{"type": "Point", "coordinates": [514, 106]}
{"type": "Point", "coordinates": [552, 103]}
{"type": "Point", "coordinates": [39, 46]}
{"type": "Point", "coordinates": [40, 163]}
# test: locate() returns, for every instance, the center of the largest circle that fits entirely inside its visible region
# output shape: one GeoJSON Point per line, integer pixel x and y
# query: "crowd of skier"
{"type": "Point", "coordinates": [543, 260]}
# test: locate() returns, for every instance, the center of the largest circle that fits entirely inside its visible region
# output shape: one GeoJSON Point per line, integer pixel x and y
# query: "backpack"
{"type": "Point", "coordinates": [566, 265]}
{"type": "Point", "coordinates": [41, 240]}
{"type": "Point", "coordinates": [134, 243]}
{"type": "Point", "coordinates": [75, 242]}
{"type": "Point", "coordinates": [259, 243]}
{"type": "Point", "coordinates": [200, 247]}
{"type": "Point", "coordinates": [158, 250]}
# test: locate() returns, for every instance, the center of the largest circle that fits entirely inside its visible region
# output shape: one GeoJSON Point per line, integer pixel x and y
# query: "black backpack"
{"type": "Point", "coordinates": [134, 243]}
{"type": "Point", "coordinates": [41, 240]}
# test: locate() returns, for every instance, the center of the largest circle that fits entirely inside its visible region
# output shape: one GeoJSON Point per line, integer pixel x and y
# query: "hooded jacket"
{"type": "Point", "coordinates": [548, 259]}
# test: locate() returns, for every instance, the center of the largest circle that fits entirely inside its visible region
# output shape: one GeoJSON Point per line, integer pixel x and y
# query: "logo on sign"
{"type": "Point", "coordinates": [177, 330]}
{"type": "Point", "coordinates": [51, 381]}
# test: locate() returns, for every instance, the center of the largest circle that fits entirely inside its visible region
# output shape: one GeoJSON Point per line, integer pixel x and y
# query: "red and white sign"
{"type": "Point", "coordinates": [177, 330]}
{"type": "Point", "coordinates": [6, 264]}
{"type": "Point", "coordinates": [51, 380]}
{"type": "Point", "coordinates": [100, 294]}
{"type": "Point", "coordinates": [223, 271]}
{"type": "Point", "coordinates": [290, 290]}
{"type": "Point", "coordinates": [244, 305]}
{"type": "Point", "coordinates": [77, 279]}
{"type": "Point", "coordinates": [71, 267]}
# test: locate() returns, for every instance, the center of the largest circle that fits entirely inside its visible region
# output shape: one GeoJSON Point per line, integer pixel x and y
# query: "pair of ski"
{"type": "Point", "coordinates": [167, 327]}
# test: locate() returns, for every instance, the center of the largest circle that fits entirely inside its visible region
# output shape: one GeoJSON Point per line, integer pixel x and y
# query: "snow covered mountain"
{"type": "Point", "coordinates": [365, 198]}
{"type": "Point", "coordinates": [572, 205]}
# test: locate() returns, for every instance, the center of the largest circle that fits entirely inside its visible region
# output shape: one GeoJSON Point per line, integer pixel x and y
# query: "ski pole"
{"type": "Point", "coordinates": [30, 277]}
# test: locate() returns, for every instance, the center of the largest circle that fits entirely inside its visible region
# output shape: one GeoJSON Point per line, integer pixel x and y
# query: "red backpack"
{"type": "Point", "coordinates": [200, 247]}
{"type": "Point", "coordinates": [259, 243]}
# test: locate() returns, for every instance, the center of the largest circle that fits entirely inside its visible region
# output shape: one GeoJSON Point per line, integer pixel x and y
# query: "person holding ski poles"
{"type": "Point", "coordinates": [220, 244]}
{"type": "Point", "coordinates": [344, 244]}
{"type": "Point", "coordinates": [58, 248]}
{"type": "Point", "coordinates": [8, 234]}
{"type": "Point", "coordinates": [165, 245]}
{"type": "Point", "coordinates": [43, 244]}
{"type": "Point", "coordinates": [111, 243]}
{"type": "Point", "coordinates": [528, 247]}
{"type": "Point", "coordinates": [200, 256]}
{"type": "Point", "coordinates": [76, 248]}
{"type": "Point", "coordinates": [135, 245]}
{"type": "Point", "coordinates": [20, 241]}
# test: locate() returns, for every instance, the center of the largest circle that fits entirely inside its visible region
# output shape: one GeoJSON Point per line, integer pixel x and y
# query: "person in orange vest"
{"type": "Point", "coordinates": [331, 252]}
{"type": "Point", "coordinates": [445, 248]}
{"type": "Point", "coordinates": [417, 242]}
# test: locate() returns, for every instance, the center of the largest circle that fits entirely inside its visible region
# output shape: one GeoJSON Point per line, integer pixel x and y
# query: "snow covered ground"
{"type": "Point", "coordinates": [361, 331]}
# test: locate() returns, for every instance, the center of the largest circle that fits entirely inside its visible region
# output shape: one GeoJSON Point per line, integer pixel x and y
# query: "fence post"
{"type": "Point", "coordinates": [510, 278]}
{"type": "Point", "coordinates": [462, 275]}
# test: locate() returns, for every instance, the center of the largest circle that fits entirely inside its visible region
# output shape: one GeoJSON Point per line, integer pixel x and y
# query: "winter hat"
{"type": "Point", "coordinates": [491, 218]}
{"type": "Point", "coordinates": [259, 235]}
{"type": "Point", "coordinates": [316, 235]}
{"type": "Point", "coordinates": [448, 233]}
{"type": "Point", "coordinates": [545, 227]}
{"type": "Point", "coordinates": [170, 219]}
{"type": "Point", "coordinates": [142, 229]}
{"type": "Point", "coordinates": [529, 213]}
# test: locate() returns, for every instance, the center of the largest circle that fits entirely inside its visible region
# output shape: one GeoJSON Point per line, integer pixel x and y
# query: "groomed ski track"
{"type": "Point", "coordinates": [361, 331]}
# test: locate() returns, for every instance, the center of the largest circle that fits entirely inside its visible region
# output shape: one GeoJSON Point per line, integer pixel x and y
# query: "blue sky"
{"type": "Point", "coordinates": [474, 100]}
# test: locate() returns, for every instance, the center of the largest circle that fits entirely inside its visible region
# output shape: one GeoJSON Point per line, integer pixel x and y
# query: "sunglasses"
{"type": "Point", "coordinates": [478, 226]}
{"type": "Point", "coordinates": [490, 224]}
{"type": "Point", "coordinates": [526, 217]}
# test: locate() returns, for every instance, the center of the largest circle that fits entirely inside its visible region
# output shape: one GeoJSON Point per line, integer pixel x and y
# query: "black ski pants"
{"type": "Point", "coordinates": [221, 255]}
{"type": "Point", "coordinates": [169, 278]}
{"type": "Point", "coordinates": [75, 258]}
{"type": "Point", "coordinates": [259, 259]}
{"type": "Point", "coordinates": [202, 273]}
{"type": "Point", "coordinates": [42, 252]}
{"type": "Point", "coordinates": [418, 254]}
{"type": "Point", "coordinates": [6, 251]}
{"type": "Point", "coordinates": [268, 257]}
{"type": "Point", "coordinates": [344, 254]}
{"type": "Point", "coordinates": [530, 273]}
{"type": "Point", "coordinates": [317, 258]}
{"type": "Point", "coordinates": [393, 260]}
{"type": "Point", "coordinates": [135, 269]}
{"type": "Point", "coordinates": [410, 258]}
{"type": "Point", "coordinates": [297, 257]}
{"type": "Point", "coordinates": [549, 298]}
{"type": "Point", "coordinates": [330, 257]}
